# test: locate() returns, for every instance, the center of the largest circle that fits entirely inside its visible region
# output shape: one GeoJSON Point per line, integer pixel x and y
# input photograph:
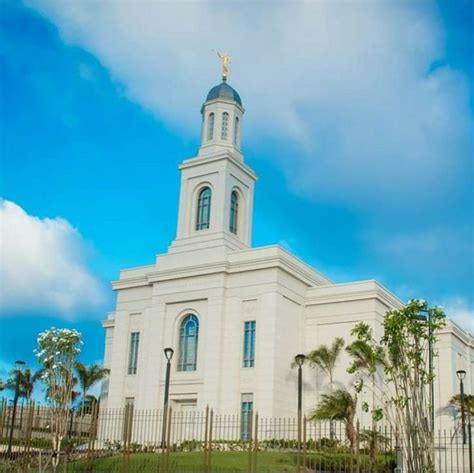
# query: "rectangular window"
{"type": "Point", "coordinates": [249, 344]}
{"type": "Point", "coordinates": [246, 411]}
{"type": "Point", "coordinates": [133, 355]}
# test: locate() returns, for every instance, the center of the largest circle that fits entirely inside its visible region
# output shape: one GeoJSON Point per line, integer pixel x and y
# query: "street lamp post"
{"type": "Point", "coordinates": [299, 360]}
{"type": "Point", "coordinates": [19, 367]}
{"type": "Point", "coordinates": [168, 355]}
{"type": "Point", "coordinates": [461, 374]}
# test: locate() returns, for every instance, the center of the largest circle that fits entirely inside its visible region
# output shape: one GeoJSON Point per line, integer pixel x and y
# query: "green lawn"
{"type": "Point", "coordinates": [228, 462]}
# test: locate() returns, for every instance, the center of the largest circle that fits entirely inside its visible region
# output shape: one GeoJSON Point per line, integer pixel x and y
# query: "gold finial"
{"type": "Point", "coordinates": [225, 58]}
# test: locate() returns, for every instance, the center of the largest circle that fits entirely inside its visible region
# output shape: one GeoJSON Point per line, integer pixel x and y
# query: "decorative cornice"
{"type": "Point", "coordinates": [108, 323]}
{"type": "Point", "coordinates": [236, 262]}
{"type": "Point", "coordinates": [359, 290]}
{"type": "Point", "coordinates": [454, 329]}
{"type": "Point", "coordinates": [221, 156]}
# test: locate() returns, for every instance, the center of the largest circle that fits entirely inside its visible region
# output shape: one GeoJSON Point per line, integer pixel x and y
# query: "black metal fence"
{"type": "Point", "coordinates": [128, 439]}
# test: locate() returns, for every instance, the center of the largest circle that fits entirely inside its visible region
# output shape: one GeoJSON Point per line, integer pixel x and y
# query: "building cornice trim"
{"type": "Point", "coordinates": [359, 290]}
{"type": "Point", "coordinates": [108, 323]}
{"type": "Point", "coordinates": [222, 156]}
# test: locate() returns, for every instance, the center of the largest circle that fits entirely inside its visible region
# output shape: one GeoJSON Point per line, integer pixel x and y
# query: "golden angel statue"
{"type": "Point", "coordinates": [225, 64]}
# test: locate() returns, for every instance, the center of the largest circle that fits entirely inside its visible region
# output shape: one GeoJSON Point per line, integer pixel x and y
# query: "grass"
{"type": "Point", "coordinates": [235, 462]}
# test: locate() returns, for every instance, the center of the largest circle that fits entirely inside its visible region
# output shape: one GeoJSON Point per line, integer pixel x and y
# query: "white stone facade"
{"type": "Point", "coordinates": [214, 274]}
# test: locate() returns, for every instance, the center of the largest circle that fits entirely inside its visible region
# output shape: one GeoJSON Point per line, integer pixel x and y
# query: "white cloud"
{"type": "Point", "coordinates": [459, 310]}
{"type": "Point", "coordinates": [43, 266]}
{"type": "Point", "coordinates": [348, 87]}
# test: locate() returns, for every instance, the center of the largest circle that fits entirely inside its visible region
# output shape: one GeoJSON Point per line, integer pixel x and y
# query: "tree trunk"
{"type": "Point", "coordinates": [351, 436]}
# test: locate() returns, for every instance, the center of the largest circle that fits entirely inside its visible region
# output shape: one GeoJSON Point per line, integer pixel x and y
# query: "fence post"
{"type": "Point", "coordinates": [3, 411]}
{"type": "Point", "coordinates": [211, 423]}
{"type": "Point", "coordinates": [29, 426]}
{"type": "Point", "coordinates": [94, 423]}
{"type": "Point", "coordinates": [127, 435]}
{"type": "Point", "coordinates": [357, 440]}
{"type": "Point", "coordinates": [298, 445]}
{"type": "Point", "coordinates": [206, 429]}
{"type": "Point", "coordinates": [250, 447]}
{"type": "Point", "coordinates": [304, 442]}
{"type": "Point", "coordinates": [398, 453]}
{"type": "Point", "coordinates": [255, 445]}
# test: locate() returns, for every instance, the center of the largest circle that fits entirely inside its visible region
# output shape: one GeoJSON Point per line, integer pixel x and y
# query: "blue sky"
{"type": "Point", "coordinates": [359, 120]}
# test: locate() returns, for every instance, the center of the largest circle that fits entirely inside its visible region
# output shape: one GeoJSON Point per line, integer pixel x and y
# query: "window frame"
{"type": "Point", "coordinates": [211, 120]}
{"type": "Point", "coordinates": [184, 365]}
{"type": "Point", "coordinates": [203, 209]}
{"type": "Point", "coordinates": [236, 131]}
{"type": "Point", "coordinates": [225, 126]}
{"type": "Point", "coordinates": [246, 415]}
{"type": "Point", "coordinates": [249, 343]}
{"type": "Point", "coordinates": [134, 346]}
{"type": "Point", "coordinates": [234, 212]}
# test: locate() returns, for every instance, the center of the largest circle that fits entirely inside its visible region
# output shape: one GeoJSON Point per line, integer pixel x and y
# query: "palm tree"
{"type": "Point", "coordinates": [455, 401]}
{"type": "Point", "coordinates": [26, 384]}
{"type": "Point", "coordinates": [339, 405]}
{"type": "Point", "coordinates": [88, 376]}
{"type": "Point", "coordinates": [325, 358]}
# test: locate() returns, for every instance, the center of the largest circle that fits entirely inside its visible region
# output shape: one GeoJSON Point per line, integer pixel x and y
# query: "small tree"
{"type": "Point", "coordinates": [366, 359]}
{"type": "Point", "coordinates": [403, 353]}
{"type": "Point", "coordinates": [27, 381]}
{"type": "Point", "coordinates": [325, 357]}
{"type": "Point", "coordinates": [455, 402]}
{"type": "Point", "coordinates": [339, 405]}
{"type": "Point", "coordinates": [57, 352]}
{"type": "Point", "coordinates": [88, 377]}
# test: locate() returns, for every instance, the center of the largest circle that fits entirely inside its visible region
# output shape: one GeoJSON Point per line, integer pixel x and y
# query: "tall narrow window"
{"type": "Point", "coordinates": [133, 355]}
{"type": "Point", "coordinates": [236, 132]}
{"type": "Point", "coordinates": [246, 409]}
{"type": "Point", "coordinates": [225, 126]}
{"type": "Point", "coordinates": [234, 211]}
{"type": "Point", "coordinates": [188, 343]}
{"type": "Point", "coordinates": [249, 344]}
{"type": "Point", "coordinates": [210, 127]}
{"type": "Point", "coordinates": [203, 209]}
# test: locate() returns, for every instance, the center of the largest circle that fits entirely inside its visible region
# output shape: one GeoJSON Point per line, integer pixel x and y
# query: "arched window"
{"type": "Point", "coordinates": [234, 211]}
{"type": "Point", "coordinates": [188, 343]}
{"type": "Point", "coordinates": [210, 127]}
{"type": "Point", "coordinates": [225, 125]}
{"type": "Point", "coordinates": [236, 132]}
{"type": "Point", "coordinates": [203, 209]}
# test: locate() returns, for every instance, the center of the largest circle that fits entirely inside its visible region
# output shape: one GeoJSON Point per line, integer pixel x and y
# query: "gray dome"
{"type": "Point", "coordinates": [225, 92]}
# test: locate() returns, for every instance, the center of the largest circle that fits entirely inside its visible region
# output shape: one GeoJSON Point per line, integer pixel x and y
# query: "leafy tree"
{"type": "Point", "coordinates": [57, 352]}
{"type": "Point", "coordinates": [339, 405]}
{"type": "Point", "coordinates": [367, 357]}
{"type": "Point", "coordinates": [403, 353]}
{"type": "Point", "coordinates": [369, 437]}
{"type": "Point", "coordinates": [88, 377]}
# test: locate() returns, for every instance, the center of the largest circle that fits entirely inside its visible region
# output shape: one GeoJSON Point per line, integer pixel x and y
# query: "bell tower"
{"type": "Point", "coordinates": [216, 196]}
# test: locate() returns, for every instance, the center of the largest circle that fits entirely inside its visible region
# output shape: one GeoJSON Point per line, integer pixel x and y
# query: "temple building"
{"type": "Point", "coordinates": [235, 315]}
